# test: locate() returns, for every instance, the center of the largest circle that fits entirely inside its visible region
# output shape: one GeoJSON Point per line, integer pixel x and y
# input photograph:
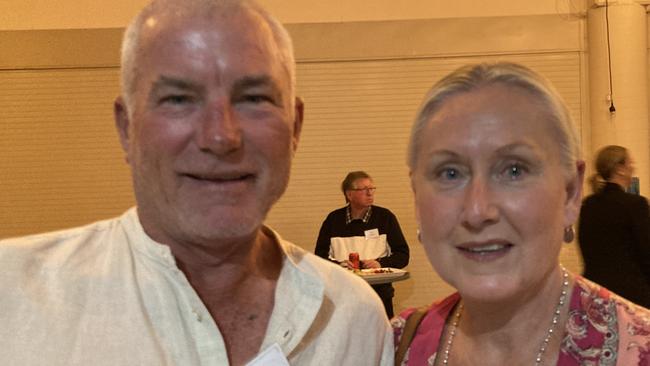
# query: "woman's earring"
{"type": "Point", "coordinates": [569, 234]}
{"type": "Point", "coordinates": [418, 235]}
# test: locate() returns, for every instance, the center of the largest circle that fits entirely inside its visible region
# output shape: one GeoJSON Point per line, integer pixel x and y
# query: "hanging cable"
{"type": "Point", "coordinates": [612, 109]}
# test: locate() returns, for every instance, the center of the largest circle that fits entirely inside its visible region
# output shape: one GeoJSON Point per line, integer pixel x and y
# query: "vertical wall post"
{"type": "Point", "coordinates": [628, 41]}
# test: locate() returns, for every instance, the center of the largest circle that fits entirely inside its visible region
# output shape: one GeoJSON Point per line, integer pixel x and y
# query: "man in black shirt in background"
{"type": "Point", "coordinates": [369, 230]}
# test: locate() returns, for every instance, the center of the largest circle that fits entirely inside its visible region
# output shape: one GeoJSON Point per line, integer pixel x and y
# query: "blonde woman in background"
{"type": "Point", "coordinates": [497, 177]}
{"type": "Point", "coordinates": [614, 230]}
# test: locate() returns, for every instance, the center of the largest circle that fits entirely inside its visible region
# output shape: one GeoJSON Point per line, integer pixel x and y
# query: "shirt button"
{"type": "Point", "coordinates": [197, 315]}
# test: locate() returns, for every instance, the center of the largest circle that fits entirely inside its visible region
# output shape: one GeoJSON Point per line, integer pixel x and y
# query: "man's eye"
{"type": "Point", "coordinates": [176, 99]}
{"type": "Point", "coordinates": [256, 98]}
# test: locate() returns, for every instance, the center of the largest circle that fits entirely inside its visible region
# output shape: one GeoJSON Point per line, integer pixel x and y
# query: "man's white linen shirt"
{"type": "Point", "coordinates": [107, 294]}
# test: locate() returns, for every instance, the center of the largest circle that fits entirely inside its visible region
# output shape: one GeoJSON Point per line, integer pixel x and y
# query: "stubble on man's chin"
{"type": "Point", "coordinates": [228, 226]}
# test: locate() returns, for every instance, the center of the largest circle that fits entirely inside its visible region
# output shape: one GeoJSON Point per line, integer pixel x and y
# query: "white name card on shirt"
{"type": "Point", "coordinates": [372, 234]}
{"type": "Point", "coordinates": [271, 356]}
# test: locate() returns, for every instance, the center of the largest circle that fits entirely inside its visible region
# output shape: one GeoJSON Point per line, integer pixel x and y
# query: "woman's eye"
{"type": "Point", "coordinates": [448, 174]}
{"type": "Point", "coordinates": [514, 171]}
{"type": "Point", "coordinates": [449, 177]}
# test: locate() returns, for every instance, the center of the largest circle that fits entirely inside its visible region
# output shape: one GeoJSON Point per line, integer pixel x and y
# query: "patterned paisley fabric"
{"type": "Point", "coordinates": [603, 329]}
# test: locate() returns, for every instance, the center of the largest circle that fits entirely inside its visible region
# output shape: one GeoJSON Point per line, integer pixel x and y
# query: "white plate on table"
{"type": "Point", "coordinates": [385, 273]}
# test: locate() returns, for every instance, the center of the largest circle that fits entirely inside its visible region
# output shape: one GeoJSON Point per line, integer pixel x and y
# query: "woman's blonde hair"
{"type": "Point", "coordinates": [472, 77]}
{"type": "Point", "coordinates": [607, 160]}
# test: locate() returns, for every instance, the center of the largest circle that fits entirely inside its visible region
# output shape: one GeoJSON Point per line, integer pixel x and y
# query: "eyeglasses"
{"type": "Point", "coordinates": [367, 189]}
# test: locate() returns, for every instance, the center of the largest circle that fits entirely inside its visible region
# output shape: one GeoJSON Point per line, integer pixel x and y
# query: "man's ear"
{"type": "Point", "coordinates": [297, 122]}
{"type": "Point", "coordinates": [574, 194]}
{"type": "Point", "coordinates": [122, 124]}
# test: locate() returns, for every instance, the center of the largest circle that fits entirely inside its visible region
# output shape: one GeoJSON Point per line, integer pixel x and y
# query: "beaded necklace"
{"type": "Point", "coordinates": [549, 332]}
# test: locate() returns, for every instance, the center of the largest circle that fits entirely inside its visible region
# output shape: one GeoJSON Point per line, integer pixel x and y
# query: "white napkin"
{"type": "Point", "coordinates": [271, 356]}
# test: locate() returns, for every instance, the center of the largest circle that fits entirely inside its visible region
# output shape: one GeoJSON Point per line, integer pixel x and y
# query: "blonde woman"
{"type": "Point", "coordinates": [497, 178]}
{"type": "Point", "coordinates": [614, 230]}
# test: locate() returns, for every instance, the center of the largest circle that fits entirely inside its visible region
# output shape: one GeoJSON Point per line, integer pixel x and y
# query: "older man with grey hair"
{"type": "Point", "coordinates": [209, 124]}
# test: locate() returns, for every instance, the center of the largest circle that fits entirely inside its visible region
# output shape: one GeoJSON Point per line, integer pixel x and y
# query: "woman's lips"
{"type": "Point", "coordinates": [483, 252]}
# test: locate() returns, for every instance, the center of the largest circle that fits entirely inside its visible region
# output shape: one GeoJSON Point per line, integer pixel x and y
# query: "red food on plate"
{"type": "Point", "coordinates": [354, 259]}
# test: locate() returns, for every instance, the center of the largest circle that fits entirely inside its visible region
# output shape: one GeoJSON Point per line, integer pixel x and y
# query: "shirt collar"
{"type": "Point", "coordinates": [143, 243]}
{"type": "Point", "coordinates": [348, 215]}
{"type": "Point", "coordinates": [299, 293]}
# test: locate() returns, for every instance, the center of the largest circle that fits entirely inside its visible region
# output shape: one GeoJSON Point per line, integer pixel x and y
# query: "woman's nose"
{"type": "Point", "coordinates": [479, 207]}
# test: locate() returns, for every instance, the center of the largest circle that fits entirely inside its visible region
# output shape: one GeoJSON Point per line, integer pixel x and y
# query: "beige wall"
{"type": "Point", "coordinates": [85, 14]}
{"type": "Point", "coordinates": [355, 77]}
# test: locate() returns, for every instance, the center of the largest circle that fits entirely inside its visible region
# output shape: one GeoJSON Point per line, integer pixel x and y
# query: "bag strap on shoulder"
{"type": "Point", "coordinates": [408, 333]}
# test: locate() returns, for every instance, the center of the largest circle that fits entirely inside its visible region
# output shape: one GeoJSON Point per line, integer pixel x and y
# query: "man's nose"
{"type": "Point", "coordinates": [219, 131]}
{"type": "Point", "coordinates": [479, 207]}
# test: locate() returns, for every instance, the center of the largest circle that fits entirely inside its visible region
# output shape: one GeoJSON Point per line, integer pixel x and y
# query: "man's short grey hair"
{"type": "Point", "coordinates": [350, 178]}
{"type": "Point", "coordinates": [472, 77]}
{"type": "Point", "coordinates": [188, 8]}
